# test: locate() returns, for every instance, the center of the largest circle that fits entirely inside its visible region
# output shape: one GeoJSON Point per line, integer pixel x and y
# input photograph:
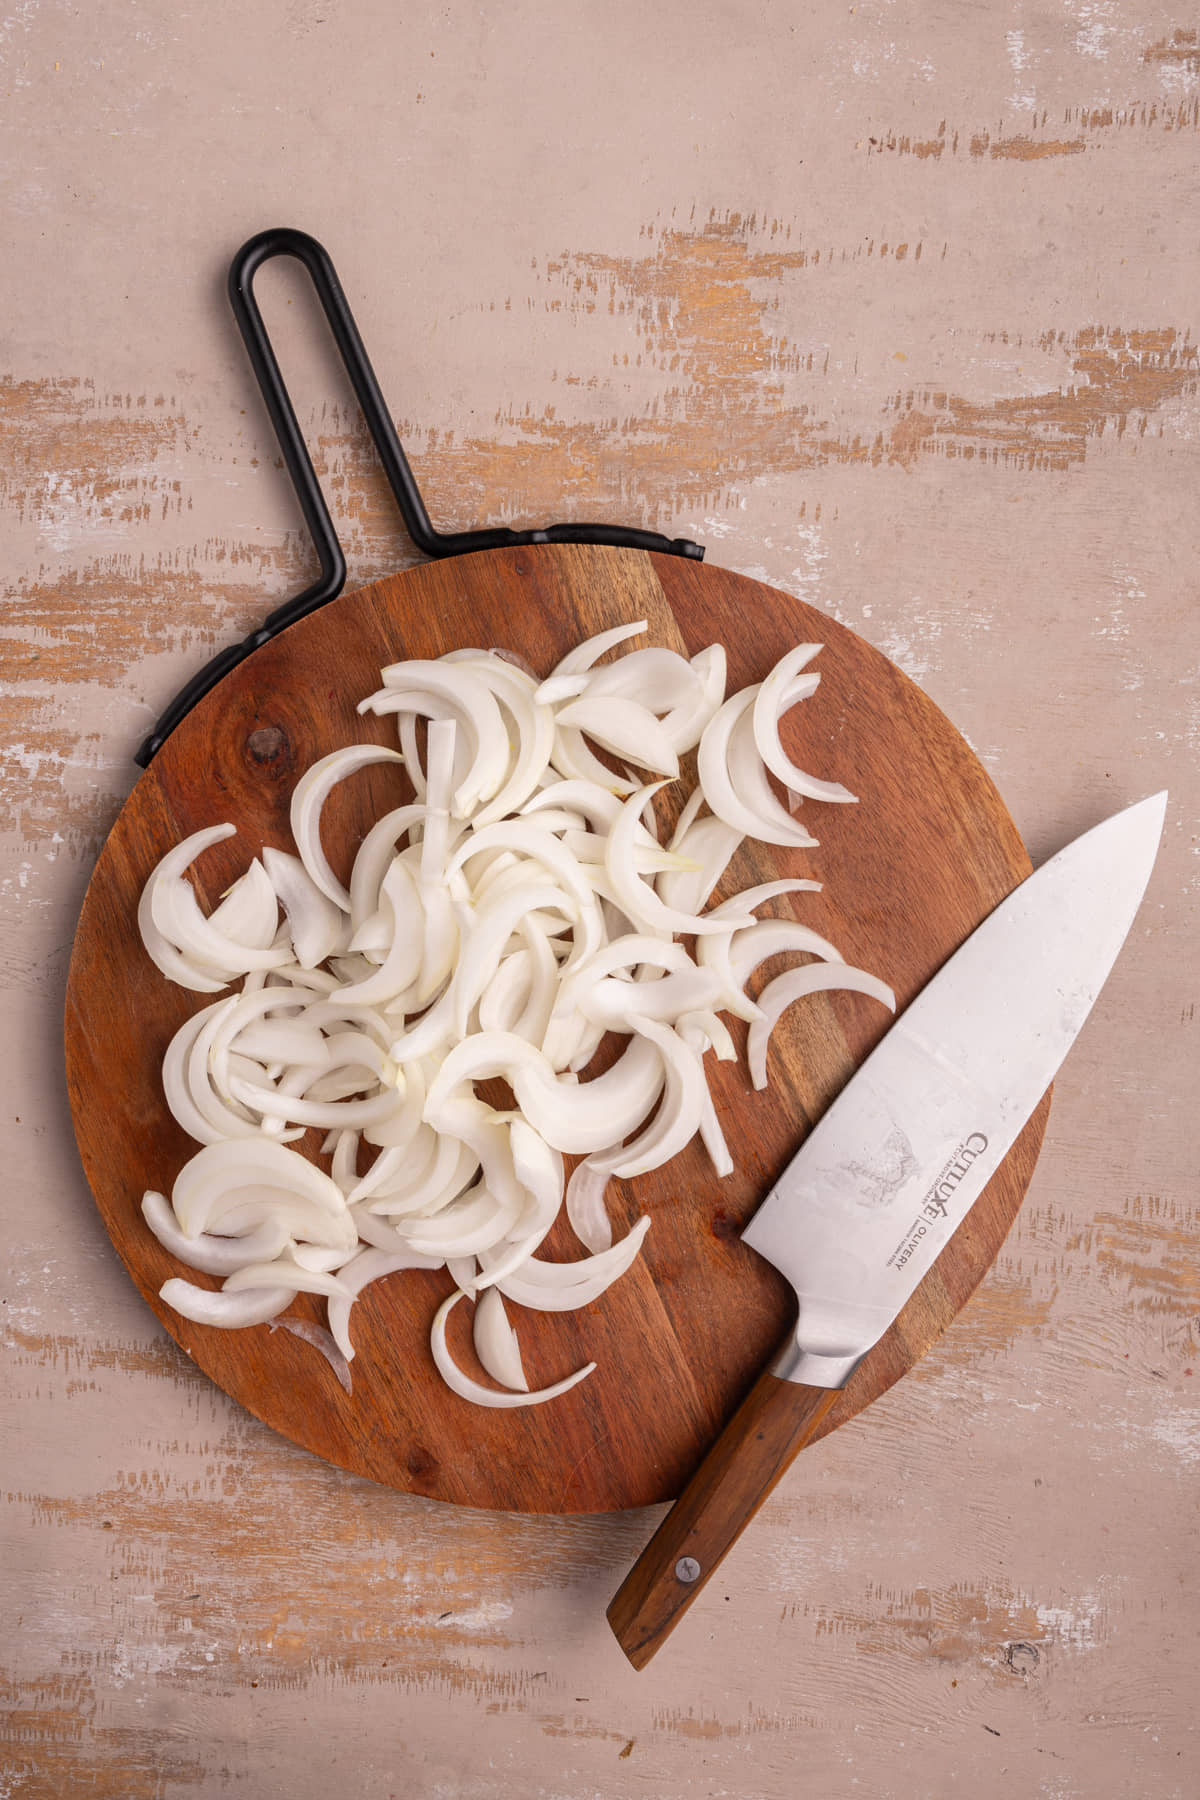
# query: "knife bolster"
{"type": "Point", "coordinates": [797, 1364]}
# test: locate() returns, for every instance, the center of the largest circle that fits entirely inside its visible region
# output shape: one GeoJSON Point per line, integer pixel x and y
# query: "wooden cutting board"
{"type": "Point", "coordinates": [908, 873]}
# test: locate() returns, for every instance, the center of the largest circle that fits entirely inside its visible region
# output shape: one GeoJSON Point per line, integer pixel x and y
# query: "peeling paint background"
{"type": "Point", "coordinates": [892, 306]}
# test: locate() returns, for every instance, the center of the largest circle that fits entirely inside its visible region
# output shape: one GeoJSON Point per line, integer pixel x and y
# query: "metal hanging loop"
{"type": "Point", "coordinates": [285, 242]}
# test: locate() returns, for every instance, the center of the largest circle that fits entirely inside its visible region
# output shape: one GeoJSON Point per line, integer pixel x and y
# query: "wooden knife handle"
{"type": "Point", "coordinates": [770, 1427]}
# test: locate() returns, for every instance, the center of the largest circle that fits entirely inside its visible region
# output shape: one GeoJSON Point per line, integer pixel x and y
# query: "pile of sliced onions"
{"type": "Point", "coordinates": [519, 911]}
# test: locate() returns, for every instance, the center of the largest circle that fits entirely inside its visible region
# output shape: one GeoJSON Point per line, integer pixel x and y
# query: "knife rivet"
{"type": "Point", "coordinates": [687, 1569]}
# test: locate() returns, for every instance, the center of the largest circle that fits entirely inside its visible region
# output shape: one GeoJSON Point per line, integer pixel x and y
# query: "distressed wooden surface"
{"type": "Point", "coordinates": [893, 306]}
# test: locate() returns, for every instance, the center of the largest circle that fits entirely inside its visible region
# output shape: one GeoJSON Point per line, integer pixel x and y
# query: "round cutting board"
{"type": "Point", "coordinates": [907, 873]}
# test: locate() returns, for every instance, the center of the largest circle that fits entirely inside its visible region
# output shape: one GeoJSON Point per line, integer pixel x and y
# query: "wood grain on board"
{"type": "Point", "coordinates": [682, 1335]}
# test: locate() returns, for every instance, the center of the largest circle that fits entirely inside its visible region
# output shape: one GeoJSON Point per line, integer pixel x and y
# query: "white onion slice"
{"type": "Point", "coordinates": [231, 1312]}
{"type": "Point", "coordinates": [584, 655]}
{"type": "Point", "coordinates": [211, 1255]}
{"type": "Point", "coordinates": [248, 912]}
{"type": "Point", "coordinates": [175, 966]}
{"type": "Point", "coordinates": [611, 1002]}
{"type": "Point", "coordinates": [748, 775]}
{"type": "Point", "coordinates": [710, 845]}
{"type": "Point", "coordinates": [701, 1034]}
{"type": "Point", "coordinates": [374, 858]}
{"type": "Point", "coordinates": [400, 897]}
{"type": "Point", "coordinates": [316, 923]}
{"type": "Point", "coordinates": [557, 688]}
{"type": "Point", "coordinates": [638, 900]}
{"type": "Point", "coordinates": [573, 759]}
{"type": "Point", "coordinates": [358, 1273]}
{"type": "Point", "coordinates": [586, 1211]}
{"type": "Point", "coordinates": [575, 1117]}
{"type": "Point", "coordinates": [506, 994]}
{"type": "Point", "coordinates": [496, 1343]}
{"type": "Point", "coordinates": [217, 1170]}
{"type": "Point", "coordinates": [319, 1257]}
{"type": "Point", "coordinates": [539, 1169]}
{"type": "Point", "coordinates": [396, 1137]}
{"type": "Point", "coordinates": [325, 1114]}
{"type": "Point", "coordinates": [656, 678]}
{"type": "Point", "coordinates": [494, 924]}
{"type": "Point", "coordinates": [321, 1340]}
{"type": "Point", "coordinates": [751, 947]}
{"type": "Point", "coordinates": [284, 1269]}
{"type": "Point", "coordinates": [678, 1118]}
{"type": "Point", "coordinates": [279, 1041]}
{"type": "Point", "coordinates": [795, 984]}
{"type": "Point", "coordinates": [311, 793]}
{"type": "Point", "coordinates": [475, 1221]}
{"type": "Point", "coordinates": [474, 1391]}
{"type": "Point", "coordinates": [563, 1287]}
{"type": "Point", "coordinates": [773, 825]}
{"type": "Point", "coordinates": [429, 689]}
{"type": "Point", "coordinates": [776, 693]}
{"type": "Point", "coordinates": [534, 723]}
{"type": "Point", "coordinates": [431, 1185]}
{"type": "Point", "coordinates": [624, 728]}
{"type": "Point", "coordinates": [176, 912]}
{"type": "Point", "coordinates": [685, 723]}
{"type": "Point", "coordinates": [195, 1119]}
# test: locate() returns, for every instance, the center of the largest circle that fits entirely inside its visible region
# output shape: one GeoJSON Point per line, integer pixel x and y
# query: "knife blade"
{"type": "Point", "coordinates": [888, 1174]}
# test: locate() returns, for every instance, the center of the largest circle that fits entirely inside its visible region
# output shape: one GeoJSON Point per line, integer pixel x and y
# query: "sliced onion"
{"type": "Point", "coordinates": [575, 1117]}
{"type": "Point", "coordinates": [401, 899]}
{"type": "Point", "coordinates": [311, 793]}
{"type": "Point", "coordinates": [475, 1221]}
{"type": "Point", "coordinates": [218, 1170]}
{"type": "Point", "coordinates": [656, 678]}
{"type": "Point", "coordinates": [586, 1211]}
{"type": "Point", "coordinates": [504, 925]}
{"type": "Point", "coordinates": [282, 1269]}
{"type": "Point", "coordinates": [624, 728]}
{"type": "Point", "coordinates": [231, 1312]}
{"type": "Point", "coordinates": [496, 1343]}
{"type": "Point", "coordinates": [432, 1182]}
{"type": "Point", "coordinates": [184, 970]}
{"type": "Point", "coordinates": [375, 856]}
{"type": "Point", "coordinates": [248, 912]}
{"type": "Point", "coordinates": [773, 697]}
{"type": "Point", "coordinates": [358, 1273]}
{"type": "Point", "coordinates": [748, 776]}
{"type": "Point", "coordinates": [710, 845]}
{"type": "Point", "coordinates": [429, 689]}
{"type": "Point", "coordinates": [686, 723]}
{"type": "Point", "coordinates": [534, 723]}
{"type": "Point", "coordinates": [678, 1118]}
{"type": "Point", "coordinates": [211, 1255]}
{"type": "Point", "coordinates": [638, 900]}
{"type": "Point", "coordinates": [592, 649]}
{"type": "Point", "coordinates": [795, 984]}
{"type": "Point", "coordinates": [771, 825]}
{"type": "Point", "coordinates": [316, 923]}
{"type": "Point", "coordinates": [611, 1002]}
{"type": "Point", "coordinates": [321, 1340]}
{"type": "Point", "coordinates": [176, 912]}
{"type": "Point", "coordinates": [474, 1391]}
{"type": "Point", "coordinates": [563, 1287]}
{"type": "Point", "coordinates": [774, 936]}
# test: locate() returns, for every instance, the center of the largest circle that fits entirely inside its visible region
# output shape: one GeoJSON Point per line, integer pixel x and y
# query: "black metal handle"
{"type": "Point", "coordinates": [286, 242]}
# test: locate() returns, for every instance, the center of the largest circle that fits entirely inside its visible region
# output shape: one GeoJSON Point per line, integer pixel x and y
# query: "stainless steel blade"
{"type": "Point", "coordinates": [885, 1178]}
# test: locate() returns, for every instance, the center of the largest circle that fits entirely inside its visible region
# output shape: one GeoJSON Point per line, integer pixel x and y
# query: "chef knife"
{"type": "Point", "coordinates": [887, 1175]}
